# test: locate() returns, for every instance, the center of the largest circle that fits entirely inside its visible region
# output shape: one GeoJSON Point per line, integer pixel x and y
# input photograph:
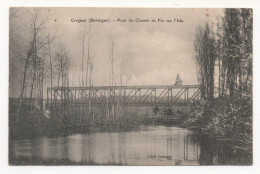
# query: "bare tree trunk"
{"type": "Point", "coordinates": [24, 77]}
{"type": "Point", "coordinates": [62, 84]}
{"type": "Point", "coordinates": [107, 109]}
{"type": "Point", "coordinates": [249, 72]}
{"type": "Point", "coordinates": [90, 74]}
{"type": "Point", "coordinates": [223, 80]}
{"type": "Point", "coordinates": [90, 90]}
{"type": "Point", "coordinates": [34, 73]}
{"type": "Point", "coordinates": [112, 77]}
{"type": "Point", "coordinates": [88, 57]}
{"type": "Point", "coordinates": [23, 87]}
{"type": "Point", "coordinates": [42, 80]}
{"type": "Point", "coordinates": [82, 70]}
{"type": "Point", "coordinates": [50, 56]}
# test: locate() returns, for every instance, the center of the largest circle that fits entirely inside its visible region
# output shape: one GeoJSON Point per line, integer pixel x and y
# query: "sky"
{"type": "Point", "coordinates": [153, 52]}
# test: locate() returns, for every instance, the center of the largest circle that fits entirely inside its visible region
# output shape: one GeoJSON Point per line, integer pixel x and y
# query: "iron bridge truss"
{"type": "Point", "coordinates": [154, 95]}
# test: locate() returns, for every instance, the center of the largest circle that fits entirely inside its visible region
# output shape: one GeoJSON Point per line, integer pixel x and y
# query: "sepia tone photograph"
{"type": "Point", "coordinates": [130, 86]}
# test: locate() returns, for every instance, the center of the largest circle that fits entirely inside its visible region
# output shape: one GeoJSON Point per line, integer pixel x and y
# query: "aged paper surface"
{"type": "Point", "coordinates": [158, 86]}
{"type": "Point", "coordinates": [130, 86]}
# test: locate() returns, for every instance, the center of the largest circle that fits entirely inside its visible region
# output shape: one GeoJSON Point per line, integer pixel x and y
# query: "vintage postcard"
{"type": "Point", "coordinates": [130, 86]}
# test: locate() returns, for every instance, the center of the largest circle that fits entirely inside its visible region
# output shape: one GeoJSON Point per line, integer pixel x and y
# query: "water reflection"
{"type": "Point", "coordinates": [151, 145]}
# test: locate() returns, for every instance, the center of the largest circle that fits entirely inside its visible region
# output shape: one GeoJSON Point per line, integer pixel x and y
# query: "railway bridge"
{"type": "Point", "coordinates": [145, 95]}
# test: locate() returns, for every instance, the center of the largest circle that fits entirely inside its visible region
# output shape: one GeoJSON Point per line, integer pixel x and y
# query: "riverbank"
{"type": "Point", "coordinates": [37, 125]}
{"type": "Point", "coordinates": [34, 124]}
{"type": "Point", "coordinates": [227, 119]}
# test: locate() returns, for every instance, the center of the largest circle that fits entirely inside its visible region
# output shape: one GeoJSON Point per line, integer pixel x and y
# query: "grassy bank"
{"type": "Point", "coordinates": [33, 125]}
{"type": "Point", "coordinates": [226, 118]}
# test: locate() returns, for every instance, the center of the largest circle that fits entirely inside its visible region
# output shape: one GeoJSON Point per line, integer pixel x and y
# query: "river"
{"type": "Point", "coordinates": [149, 145]}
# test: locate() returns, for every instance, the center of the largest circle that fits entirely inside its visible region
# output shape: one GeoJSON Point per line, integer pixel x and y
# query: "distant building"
{"type": "Point", "coordinates": [178, 80]}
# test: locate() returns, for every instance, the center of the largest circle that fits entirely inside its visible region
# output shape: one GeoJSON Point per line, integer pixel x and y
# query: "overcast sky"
{"type": "Point", "coordinates": [154, 51]}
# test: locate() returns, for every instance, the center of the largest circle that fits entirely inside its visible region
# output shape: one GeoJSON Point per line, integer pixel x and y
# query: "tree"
{"type": "Point", "coordinates": [237, 51]}
{"type": "Point", "coordinates": [89, 70]}
{"type": "Point", "coordinates": [36, 43]}
{"type": "Point", "coordinates": [124, 76]}
{"type": "Point", "coordinates": [62, 65]}
{"type": "Point", "coordinates": [204, 45]}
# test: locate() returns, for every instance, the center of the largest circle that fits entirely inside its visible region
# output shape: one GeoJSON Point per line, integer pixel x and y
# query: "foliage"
{"type": "Point", "coordinates": [230, 48]}
{"type": "Point", "coordinates": [204, 45]}
{"type": "Point", "coordinates": [234, 50]}
{"type": "Point", "coordinates": [229, 118]}
{"type": "Point", "coordinates": [229, 115]}
{"type": "Point", "coordinates": [156, 109]}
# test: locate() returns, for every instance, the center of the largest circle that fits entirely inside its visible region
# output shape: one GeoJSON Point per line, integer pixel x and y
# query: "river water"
{"type": "Point", "coordinates": [150, 145]}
